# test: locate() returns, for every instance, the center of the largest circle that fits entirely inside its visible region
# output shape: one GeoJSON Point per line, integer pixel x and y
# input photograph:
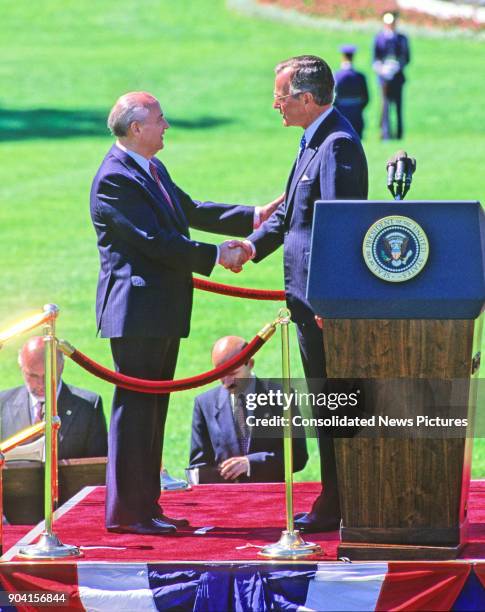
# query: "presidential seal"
{"type": "Point", "coordinates": [395, 248]}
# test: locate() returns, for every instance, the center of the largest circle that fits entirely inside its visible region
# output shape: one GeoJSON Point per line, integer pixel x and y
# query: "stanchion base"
{"type": "Point", "coordinates": [290, 546]}
{"type": "Point", "coordinates": [49, 547]}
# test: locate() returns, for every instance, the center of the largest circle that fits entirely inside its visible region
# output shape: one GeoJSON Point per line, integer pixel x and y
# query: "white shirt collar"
{"type": "Point", "coordinates": [143, 162]}
{"type": "Point", "coordinates": [313, 127]}
{"type": "Point", "coordinates": [251, 388]}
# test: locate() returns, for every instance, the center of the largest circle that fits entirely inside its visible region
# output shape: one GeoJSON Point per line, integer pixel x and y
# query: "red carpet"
{"type": "Point", "coordinates": [240, 515]}
{"type": "Point", "coordinates": [13, 533]}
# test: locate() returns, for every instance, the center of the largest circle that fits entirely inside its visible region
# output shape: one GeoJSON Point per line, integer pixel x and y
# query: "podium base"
{"type": "Point", "coordinates": [397, 552]}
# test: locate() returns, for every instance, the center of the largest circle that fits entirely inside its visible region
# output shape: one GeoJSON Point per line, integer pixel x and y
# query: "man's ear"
{"type": "Point", "coordinates": [307, 97]}
{"type": "Point", "coordinates": [135, 127]}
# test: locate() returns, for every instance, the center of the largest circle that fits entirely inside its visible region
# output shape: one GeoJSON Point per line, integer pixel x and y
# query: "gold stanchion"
{"type": "Point", "coordinates": [290, 545]}
{"type": "Point", "coordinates": [2, 461]}
{"type": "Point", "coordinates": [49, 546]}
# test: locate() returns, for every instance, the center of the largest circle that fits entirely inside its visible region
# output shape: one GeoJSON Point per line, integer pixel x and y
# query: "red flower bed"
{"type": "Point", "coordinates": [361, 10]}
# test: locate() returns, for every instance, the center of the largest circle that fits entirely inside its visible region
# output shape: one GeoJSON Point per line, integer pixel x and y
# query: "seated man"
{"type": "Point", "coordinates": [83, 425]}
{"type": "Point", "coordinates": [223, 446]}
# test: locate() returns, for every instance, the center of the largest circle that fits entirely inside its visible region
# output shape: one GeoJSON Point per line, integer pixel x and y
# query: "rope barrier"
{"type": "Point", "coordinates": [241, 292]}
{"type": "Point", "coordinates": [167, 386]}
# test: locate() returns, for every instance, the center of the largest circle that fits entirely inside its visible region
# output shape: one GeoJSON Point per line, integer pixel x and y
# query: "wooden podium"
{"type": "Point", "coordinates": [23, 485]}
{"type": "Point", "coordinates": [403, 495]}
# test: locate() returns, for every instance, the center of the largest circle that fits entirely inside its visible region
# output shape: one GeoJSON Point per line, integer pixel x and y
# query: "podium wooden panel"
{"type": "Point", "coordinates": [23, 485]}
{"type": "Point", "coordinates": [402, 498]}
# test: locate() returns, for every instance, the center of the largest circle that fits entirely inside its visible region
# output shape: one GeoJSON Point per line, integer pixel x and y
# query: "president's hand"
{"type": "Point", "coordinates": [233, 254]}
{"type": "Point", "coordinates": [234, 467]}
{"type": "Point", "coordinates": [266, 211]}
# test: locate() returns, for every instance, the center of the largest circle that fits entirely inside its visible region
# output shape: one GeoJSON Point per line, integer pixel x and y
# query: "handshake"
{"type": "Point", "coordinates": [233, 254]}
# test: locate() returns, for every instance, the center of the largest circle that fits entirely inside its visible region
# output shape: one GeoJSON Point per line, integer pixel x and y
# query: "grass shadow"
{"type": "Point", "coordinates": [30, 124]}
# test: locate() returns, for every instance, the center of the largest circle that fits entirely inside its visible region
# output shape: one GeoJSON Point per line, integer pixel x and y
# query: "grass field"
{"type": "Point", "coordinates": [64, 64]}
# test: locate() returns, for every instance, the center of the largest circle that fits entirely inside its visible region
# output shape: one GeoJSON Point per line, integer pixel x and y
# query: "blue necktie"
{"type": "Point", "coordinates": [302, 147]}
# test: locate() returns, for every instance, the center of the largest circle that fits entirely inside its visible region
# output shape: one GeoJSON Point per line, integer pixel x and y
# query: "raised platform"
{"type": "Point", "coordinates": [219, 568]}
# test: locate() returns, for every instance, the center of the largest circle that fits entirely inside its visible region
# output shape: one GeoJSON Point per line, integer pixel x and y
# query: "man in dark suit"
{"type": "Point", "coordinates": [144, 295]}
{"type": "Point", "coordinates": [83, 425]}
{"type": "Point", "coordinates": [224, 446]}
{"type": "Point", "coordinates": [351, 94]}
{"type": "Point", "coordinates": [330, 165]}
{"type": "Point", "coordinates": [391, 55]}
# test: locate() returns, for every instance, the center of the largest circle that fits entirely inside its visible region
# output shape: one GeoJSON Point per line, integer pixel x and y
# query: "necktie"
{"type": "Point", "coordinates": [241, 425]}
{"type": "Point", "coordinates": [38, 412]}
{"type": "Point", "coordinates": [156, 178]}
{"type": "Point", "coordinates": [302, 147]}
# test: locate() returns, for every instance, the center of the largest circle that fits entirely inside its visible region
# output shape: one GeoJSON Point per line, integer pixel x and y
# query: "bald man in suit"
{"type": "Point", "coordinates": [223, 448]}
{"type": "Point", "coordinates": [83, 425]}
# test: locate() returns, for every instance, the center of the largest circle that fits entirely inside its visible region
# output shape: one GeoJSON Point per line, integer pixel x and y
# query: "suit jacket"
{"type": "Point", "coordinates": [214, 439]}
{"type": "Point", "coordinates": [332, 167]}
{"type": "Point", "coordinates": [83, 425]}
{"type": "Point", "coordinates": [146, 254]}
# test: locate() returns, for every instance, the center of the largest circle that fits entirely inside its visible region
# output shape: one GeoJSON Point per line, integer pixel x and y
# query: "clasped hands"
{"type": "Point", "coordinates": [233, 254]}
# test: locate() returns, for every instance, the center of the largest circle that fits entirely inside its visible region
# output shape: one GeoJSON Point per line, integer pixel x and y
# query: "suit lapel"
{"type": "Point", "coordinates": [173, 196]}
{"type": "Point", "coordinates": [313, 146]}
{"type": "Point", "coordinates": [66, 415]}
{"type": "Point", "coordinates": [16, 416]}
{"type": "Point", "coordinates": [298, 173]}
{"type": "Point", "coordinates": [149, 184]}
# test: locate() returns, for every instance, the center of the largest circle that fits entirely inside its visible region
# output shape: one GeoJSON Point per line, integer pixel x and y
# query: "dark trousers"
{"type": "Point", "coordinates": [310, 339]}
{"type": "Point", "coordinates": [391, 97]}
{"type": "Point", "coordinates": [136, 430]}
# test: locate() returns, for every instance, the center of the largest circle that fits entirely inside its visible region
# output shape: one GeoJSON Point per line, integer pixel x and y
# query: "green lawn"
{"type": "Point", "coordinates": [64, 64]}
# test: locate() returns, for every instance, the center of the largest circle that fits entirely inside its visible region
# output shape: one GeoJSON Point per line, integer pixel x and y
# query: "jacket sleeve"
{"type": "Point", "coordinates": [265, 462]}
{"type": "Point", "coordinates": [121, 209]}
{"type": "Point", "coordinates": [270, 235]}
{"type": "Point", "coordinates": [227, 219]}
{"type": "Point", "coordinates": [274, 461]}
{"type": "Point", "coordinates": [97, 442]}
{"type": "Point", "coordinates": [201, 451]}
{"type": "Point", "coordinates": [343, 171]}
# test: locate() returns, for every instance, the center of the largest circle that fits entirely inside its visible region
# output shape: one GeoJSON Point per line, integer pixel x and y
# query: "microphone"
{"type": "Point", "coordinates": [400, 169]}
{"type": "Point", "coordinates": [401, 157]}
{"type": "Point", "coordinates": [408, 174]}
{"type": "Point", "coordinates": [391, 171]}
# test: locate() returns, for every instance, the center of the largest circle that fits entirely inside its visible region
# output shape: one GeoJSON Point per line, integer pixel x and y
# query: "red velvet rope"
{"type": "Point", "coordinates": [253, 294]}
{"type": "Point", "coordinates": [167, 386]}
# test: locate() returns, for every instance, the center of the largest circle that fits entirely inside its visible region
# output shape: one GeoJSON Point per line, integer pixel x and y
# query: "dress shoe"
{"type": "Point", "coordinates": [311, 523]}
{"type": "Point", "coordinates": [177, 522]}
{"type": "Point", "coordinates": [149, 527]}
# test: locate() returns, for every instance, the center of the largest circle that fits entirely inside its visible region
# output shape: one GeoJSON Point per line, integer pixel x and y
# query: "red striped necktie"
{"type": "Point", "coordinates": [38, 412]}
{"type": "Point", "coordinates": [156, 178]}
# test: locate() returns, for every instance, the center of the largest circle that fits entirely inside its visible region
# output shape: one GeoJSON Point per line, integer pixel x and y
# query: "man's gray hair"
{"type": "Point", "coordinates": [133, 106]}
{"type": "Point", "coordinates": [310, 73]}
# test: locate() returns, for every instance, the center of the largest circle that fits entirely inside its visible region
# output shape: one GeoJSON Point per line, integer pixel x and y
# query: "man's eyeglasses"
{"type": "Point", "coordinates": [278, 98]}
